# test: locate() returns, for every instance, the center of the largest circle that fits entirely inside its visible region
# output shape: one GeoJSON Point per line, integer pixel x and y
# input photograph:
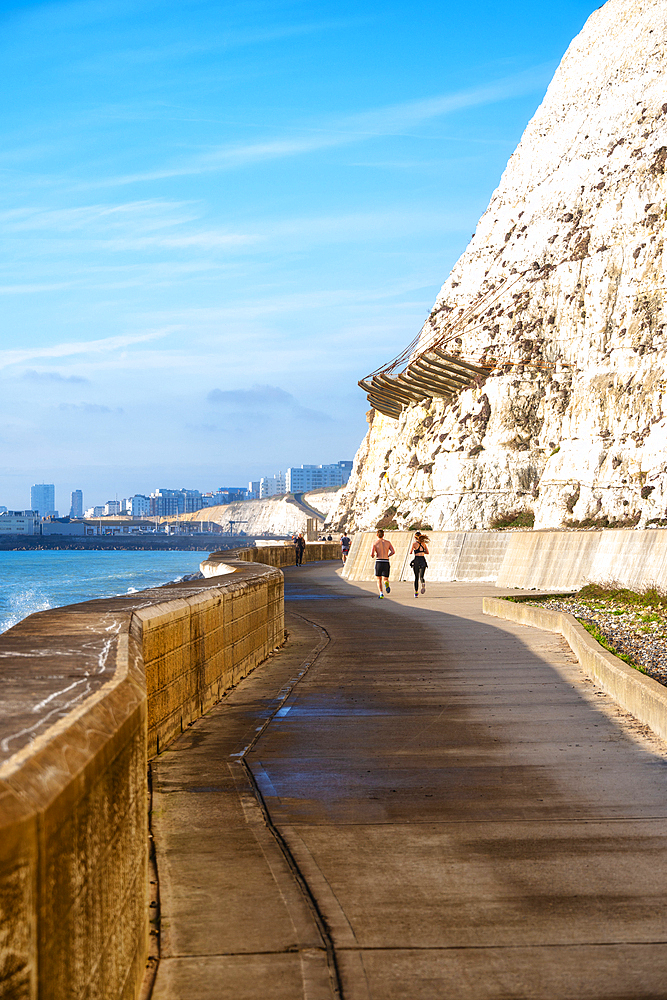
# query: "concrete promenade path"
{"type": "Point", "coordinates": [412, 801]}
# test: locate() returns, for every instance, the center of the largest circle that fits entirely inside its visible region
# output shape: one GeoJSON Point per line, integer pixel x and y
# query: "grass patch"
{"type": "Point", "coordinates": [387, 521]}
{"type": "Point", "coordinates": [604, 521]}
{"type": "Point", "coordinates": [524, 598]}
{"type": "Point", "coordinates": [649, 598]}
{"type": "Point", "coordinates": [600, 639]}
{"type": "Point", "coordinates": [513, 519]}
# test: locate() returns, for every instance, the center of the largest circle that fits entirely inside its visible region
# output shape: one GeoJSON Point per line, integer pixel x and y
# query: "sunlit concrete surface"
{"type": "Point", "coordinates": [442, 806]}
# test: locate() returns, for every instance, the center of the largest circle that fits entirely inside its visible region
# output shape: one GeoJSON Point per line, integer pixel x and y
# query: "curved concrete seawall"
{"type": "Point", "coordinates": [274, 555]}
{"type": "Point", "coordinates": [90, 692]}
{"type": "Point", "coordinates": [527, 559]}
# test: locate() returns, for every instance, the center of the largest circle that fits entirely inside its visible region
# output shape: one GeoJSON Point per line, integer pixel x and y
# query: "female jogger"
{"type": "Point", "coordinates": [419, 551]}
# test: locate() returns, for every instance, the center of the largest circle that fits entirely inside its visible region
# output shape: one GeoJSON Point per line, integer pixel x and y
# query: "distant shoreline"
{"type": "Point", "coordinates": [171, 543]}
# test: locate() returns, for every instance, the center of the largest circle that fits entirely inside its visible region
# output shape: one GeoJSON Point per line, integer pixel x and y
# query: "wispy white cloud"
{"type": "Point", "coordinates": [369, 225]}
{"type": "Point", "coordinates": [224, 40]}
{"type": "Point", "coordinates": [343, 130]}
{"type": "Point", "coordinates": [147, 215]}
{"type": "Point", "coordinates": [268, 302]}
{"type": "Point", "coordinates": [90, 409]}
{"type": "Point", "coordinates": [31, 288]}
{"type": "Point", "coordinates": [30, 375]}
{"type": "Point", "coordinates": [20, 356]}
{"type": "Point", "coordinates": [319, 228]}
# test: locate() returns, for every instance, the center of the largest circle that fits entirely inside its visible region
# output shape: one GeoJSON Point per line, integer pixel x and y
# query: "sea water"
{"type": "Point", "coordinates": [38, 580]}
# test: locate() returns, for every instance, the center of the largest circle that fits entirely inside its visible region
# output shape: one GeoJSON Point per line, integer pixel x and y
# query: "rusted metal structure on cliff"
{"type": "Point", "coordinates": [425, 370]}
{"type": "Point", "coordinates": [418, 374]}
{"type": "Point", "coordinates": [432, 373]}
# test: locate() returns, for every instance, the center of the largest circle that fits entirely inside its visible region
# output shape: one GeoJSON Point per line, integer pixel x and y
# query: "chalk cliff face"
{"type": "Point", "coordinates": [562, 288]}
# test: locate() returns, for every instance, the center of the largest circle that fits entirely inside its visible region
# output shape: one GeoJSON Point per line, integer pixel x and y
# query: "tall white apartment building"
{"type": "Point", "coordinates": [313, 477]}
{"type": "Point", "coordinates": [76, 504]}
{"type": "Point", "coordinates": [43, 499]}
{"type": "Point", "coordinates": [139, 505]}
{"type": "Point", "coordinates": [272, 486]}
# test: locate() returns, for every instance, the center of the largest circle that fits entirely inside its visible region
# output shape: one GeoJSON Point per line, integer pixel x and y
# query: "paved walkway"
{"type": "Point", "coordinates": [442, 808]}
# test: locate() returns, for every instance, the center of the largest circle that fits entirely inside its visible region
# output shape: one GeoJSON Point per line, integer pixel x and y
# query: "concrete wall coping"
{"type": "Point", "coordinates": [634, 691]}
{"type": "Point", "coordinates": [53, 657]}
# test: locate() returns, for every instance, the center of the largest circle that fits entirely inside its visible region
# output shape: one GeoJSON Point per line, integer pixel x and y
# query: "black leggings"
{"type": "Point", "coordinates": [420, 569]}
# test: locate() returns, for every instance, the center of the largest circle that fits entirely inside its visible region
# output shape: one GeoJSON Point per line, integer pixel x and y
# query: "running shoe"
{"type": "Point", "coordinates": [381, 596]}
{"type": "Point", "coordinates": [423, 588]}
{"type": "Point", "coordinates": [387, 588]}
{"type": "Point", "coordinates": [416, 594]}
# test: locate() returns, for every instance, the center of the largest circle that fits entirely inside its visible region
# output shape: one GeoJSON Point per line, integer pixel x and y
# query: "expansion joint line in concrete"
{"type": "Point", "coordinates": [153, 959]}
{"type": "Point", "coordinates": [300, 880]}
{"type": "Point", "coordinates": [292, 864]}
{"type": "Point", "coordinates": [289, 687]}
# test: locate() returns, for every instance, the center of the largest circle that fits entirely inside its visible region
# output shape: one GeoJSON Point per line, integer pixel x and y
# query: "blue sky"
{"type": "Point", "coordinates": [216, 217]}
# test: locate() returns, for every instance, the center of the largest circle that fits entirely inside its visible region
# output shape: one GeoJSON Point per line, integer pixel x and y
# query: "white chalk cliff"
{"type": "Point", "coordinates": [278, 515]}
{"type": "Point", "coordinates": [563, 287]}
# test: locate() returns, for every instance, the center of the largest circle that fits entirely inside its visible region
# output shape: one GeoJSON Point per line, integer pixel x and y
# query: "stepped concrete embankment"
{"type": "Point", "coordinates": [563, 560]}
{"type": "Point", "coordinates": [89, 693]}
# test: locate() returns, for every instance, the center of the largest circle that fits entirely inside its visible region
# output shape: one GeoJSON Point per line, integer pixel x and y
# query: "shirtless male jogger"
{"type": "Point", "coordinates": [381, 552]}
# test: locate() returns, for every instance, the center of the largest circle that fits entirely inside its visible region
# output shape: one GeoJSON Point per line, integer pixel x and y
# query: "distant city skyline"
{"type": "Point", "coordinates": [43, 496]}
{"type": "Point", "coordinates": [217, 217]}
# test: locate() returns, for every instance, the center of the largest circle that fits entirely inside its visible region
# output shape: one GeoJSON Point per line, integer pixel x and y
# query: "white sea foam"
{"type": "Point", "coordinates": [38, 580]}
{"type": "Point", "coordinates": [19, 604]}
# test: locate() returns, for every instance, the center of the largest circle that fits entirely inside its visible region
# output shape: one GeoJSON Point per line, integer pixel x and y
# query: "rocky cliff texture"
{"type": "Point", "coordinates": [561, 292]}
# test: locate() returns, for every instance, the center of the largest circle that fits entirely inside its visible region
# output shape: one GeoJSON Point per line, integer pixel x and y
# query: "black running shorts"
{"type": "Point", "coordinates": [382, 568]}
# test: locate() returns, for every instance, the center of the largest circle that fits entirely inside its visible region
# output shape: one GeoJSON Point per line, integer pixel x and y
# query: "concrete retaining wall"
{"type": "Point", "coordinates": [559, 560]}
{"type": "Point", "coordinates": [196, 648]}
{"type": "Point", "coordinates": [73, 833]}
{"type": "Point", "coordinates": [638, 694]}
{"type": "Point", "coordinates": [360, 566]}
{"type": "Point", "coordinates": [273, 555]}
{"type": "Point", "coordinates": [91, 691]}
{"type": "Point", "coordinates": [453, 555]}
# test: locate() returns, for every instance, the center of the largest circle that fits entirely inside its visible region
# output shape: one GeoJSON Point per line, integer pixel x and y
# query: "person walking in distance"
{"type": "Point", "coordinates": [419, 551]}
{"type": "Point", "coordinates": [345, 547]}
{"type": "Point", "coordinates": [299, 546]}
{"type": "Point", "coordinates": [382, 551]}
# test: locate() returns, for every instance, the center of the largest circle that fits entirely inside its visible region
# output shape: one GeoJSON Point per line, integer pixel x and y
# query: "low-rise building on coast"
{"type": "Point", "coordinates": [20, 522]}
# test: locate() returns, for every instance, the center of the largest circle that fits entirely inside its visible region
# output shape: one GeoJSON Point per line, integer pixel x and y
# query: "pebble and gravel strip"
{"type": "Point", "coordinates": [639, 633]}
